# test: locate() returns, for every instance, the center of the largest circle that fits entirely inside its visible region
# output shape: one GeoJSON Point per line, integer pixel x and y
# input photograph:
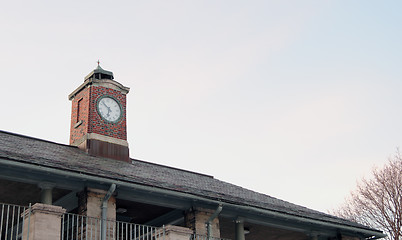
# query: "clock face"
{"type": "Point", "coordinates": [109, 109]}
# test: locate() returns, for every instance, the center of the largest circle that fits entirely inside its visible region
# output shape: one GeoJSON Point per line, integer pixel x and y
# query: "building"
{"type": "Point", "coordinates": [92, 189]}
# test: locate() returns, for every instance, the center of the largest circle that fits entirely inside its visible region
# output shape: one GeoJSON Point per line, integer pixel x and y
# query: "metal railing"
{"type": "Point", "coordinates": [12, 221]}
{"type": "Point", "coordinates": [73, 227]}
{"type": "Point", "coordinates": [78, 227]}
{"type": "Point", "coordinates": [15, 223]}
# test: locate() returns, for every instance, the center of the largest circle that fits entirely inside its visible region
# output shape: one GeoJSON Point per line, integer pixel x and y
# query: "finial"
{"type": "Point", "coordinates": [98, 62]}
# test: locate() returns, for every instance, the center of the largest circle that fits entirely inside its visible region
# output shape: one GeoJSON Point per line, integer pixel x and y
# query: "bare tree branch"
{"type": "Point", "coordinates": [377, 202]}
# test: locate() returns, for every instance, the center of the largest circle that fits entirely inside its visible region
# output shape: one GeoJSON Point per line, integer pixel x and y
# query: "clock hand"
{"type": "Point", "coordinates": [105, 105]}
{"type": "Point", "coordinates": [108, 108]}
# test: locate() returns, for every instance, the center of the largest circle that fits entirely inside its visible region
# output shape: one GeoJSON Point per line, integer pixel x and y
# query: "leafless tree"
{"type": "Point", "coordinates": [377, 202]}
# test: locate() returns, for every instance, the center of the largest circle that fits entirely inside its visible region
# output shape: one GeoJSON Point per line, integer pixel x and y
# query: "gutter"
{"type": "Point", "coordinates": [271, 213]}
{"type": "Point", "coordinates": [104, 209]}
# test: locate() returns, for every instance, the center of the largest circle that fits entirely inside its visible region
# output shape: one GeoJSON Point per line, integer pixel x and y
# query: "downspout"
{"type": "Point", "coordinates": [104, 209]}
{"type": "Point", "coordinates": [211, 218]}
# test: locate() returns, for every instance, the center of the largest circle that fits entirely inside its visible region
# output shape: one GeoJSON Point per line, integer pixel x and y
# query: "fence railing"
{"type": "Point", "coordinates": [13, 218]}
{"type": "Point", "coordinates": [78, 227]}
{"type": "Point", "coordinates": [11, 221]}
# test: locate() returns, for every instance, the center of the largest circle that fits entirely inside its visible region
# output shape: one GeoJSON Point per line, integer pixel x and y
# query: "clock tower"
{"type": "Point", "coordinates": [98, 117]}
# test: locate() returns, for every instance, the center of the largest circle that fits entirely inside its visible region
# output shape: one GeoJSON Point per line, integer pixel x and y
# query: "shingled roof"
{"type": "Point", "coordinates": [39, 152]}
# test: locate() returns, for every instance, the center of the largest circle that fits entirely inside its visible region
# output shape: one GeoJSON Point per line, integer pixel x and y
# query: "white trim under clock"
{"type": "Point", "coordinates": [101, 138]}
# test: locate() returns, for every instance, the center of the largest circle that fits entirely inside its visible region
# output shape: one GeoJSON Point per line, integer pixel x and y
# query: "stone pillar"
{"type": "Point", "coordinates": [239, 228]}
{"type": "Point", "coordinates": [176, 233]}
{"type": "Point", "coordinates": [42, 222]}
{"type": "Point", "coordinates": [89, 204]}
{"type": "Point", "coordinates": [196, 219]}
{"type": "Point", "coordinates": [46, 193]}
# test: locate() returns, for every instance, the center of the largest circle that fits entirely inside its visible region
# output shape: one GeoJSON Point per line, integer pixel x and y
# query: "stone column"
{"type": "Point", "coordinates": [89, 204]}
{"type": "Point", "coordinates": [196, 219]}
{"type": "Point", "coordinates": [42, 222]}
{"type": "Point", "coordinates": [46, 193]}
{"type": "Point", "coordinates": [177, 233]}
{"type": "Point", "coordinates": [239, 228]}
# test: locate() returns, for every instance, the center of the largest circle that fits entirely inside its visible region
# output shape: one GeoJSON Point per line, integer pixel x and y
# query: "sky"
{"type": "Point", "coordinates": [294, 99]}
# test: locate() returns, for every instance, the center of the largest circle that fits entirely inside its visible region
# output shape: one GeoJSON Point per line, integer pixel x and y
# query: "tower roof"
{"type": "Point", "coordinates": [100, 73]}
{"type": "Point", "coordinates": [99, 76]}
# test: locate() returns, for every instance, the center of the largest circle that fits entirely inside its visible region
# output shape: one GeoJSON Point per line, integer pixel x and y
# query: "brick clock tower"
{"type": "Point", "coordinates": [98, 117]}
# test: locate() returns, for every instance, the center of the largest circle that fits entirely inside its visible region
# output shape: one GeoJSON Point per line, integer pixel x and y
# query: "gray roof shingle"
{"type": "Point", "coordinates": [44, 153]}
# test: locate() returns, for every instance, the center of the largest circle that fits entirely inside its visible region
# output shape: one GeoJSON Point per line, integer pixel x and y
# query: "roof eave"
{"type": "Point", "coordinates": [368, 233]}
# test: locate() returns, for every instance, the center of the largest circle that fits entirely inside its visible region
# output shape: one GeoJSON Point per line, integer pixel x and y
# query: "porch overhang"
{"type": "Point", "coordinates": [76, 181]}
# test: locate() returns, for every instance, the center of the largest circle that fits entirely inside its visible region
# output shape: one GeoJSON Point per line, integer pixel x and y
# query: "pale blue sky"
{"type": "Point", "coordinates": [294, 99]}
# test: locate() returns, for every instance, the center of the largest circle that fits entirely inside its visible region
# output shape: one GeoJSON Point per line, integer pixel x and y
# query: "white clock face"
{"type": "Point", "coordinates": [109, 109]}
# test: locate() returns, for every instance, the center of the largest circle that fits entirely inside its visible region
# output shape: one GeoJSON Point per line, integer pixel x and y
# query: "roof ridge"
{"type": "Point", "coordinates": [35, 138]}
{"type": "Point", "coordinates": [132, 159]}
{"type": "Point", "coordinates": [174, 168]}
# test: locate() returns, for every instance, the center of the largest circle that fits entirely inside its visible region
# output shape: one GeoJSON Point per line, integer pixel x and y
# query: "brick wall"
{"type": "Point", "coordinates": [77, 132]}
{"type": "Point", "coordinates": [85, 118]}
{"type": "Point", "coordinates": [98, 125]}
